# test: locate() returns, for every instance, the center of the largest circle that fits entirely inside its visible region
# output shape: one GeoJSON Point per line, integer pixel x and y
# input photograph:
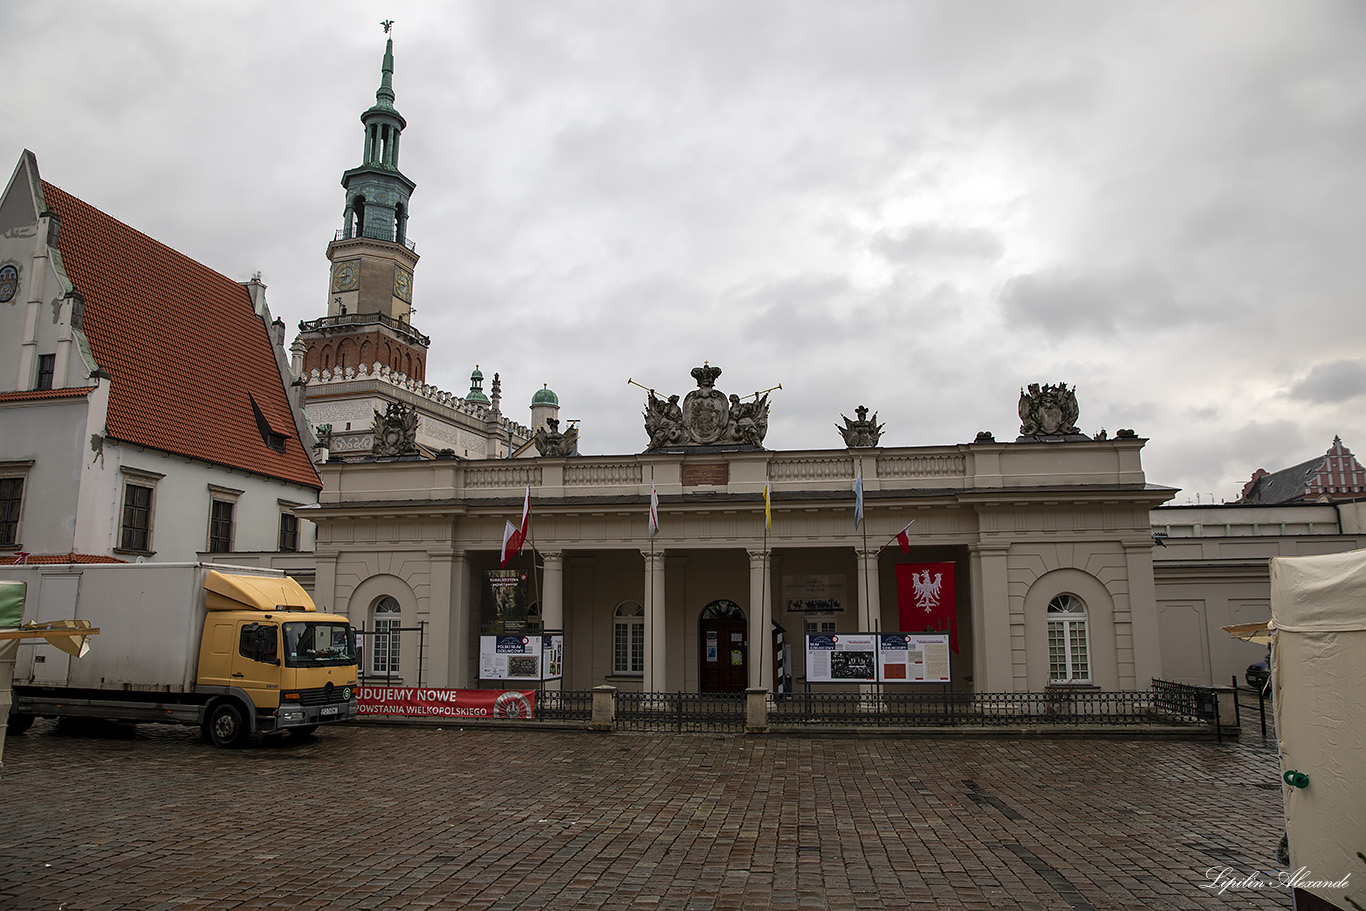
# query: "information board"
{"type": "Point", "coordinates": [913, 658]}
{"type": "Point", "coordinates": [877, 658]}
{"type": "Point", "coordinates": [533, 656]}
{"type": "Point", "coordinates": [841, 658]}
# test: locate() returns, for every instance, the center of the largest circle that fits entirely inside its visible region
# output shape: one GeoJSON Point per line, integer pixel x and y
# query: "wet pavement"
{"type": "Point", "coordinates": [377, 817]}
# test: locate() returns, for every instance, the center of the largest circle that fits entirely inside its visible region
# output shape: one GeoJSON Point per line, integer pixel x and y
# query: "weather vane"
{"type": "Point", "coordinates": [388, 24]}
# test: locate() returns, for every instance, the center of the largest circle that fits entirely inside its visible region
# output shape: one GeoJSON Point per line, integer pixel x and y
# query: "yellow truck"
{"type": "Point", "coordinates": [232, 650]}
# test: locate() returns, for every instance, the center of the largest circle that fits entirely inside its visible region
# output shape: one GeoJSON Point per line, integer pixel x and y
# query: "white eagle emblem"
{"type": "Point", "coordinates": [926, 590]}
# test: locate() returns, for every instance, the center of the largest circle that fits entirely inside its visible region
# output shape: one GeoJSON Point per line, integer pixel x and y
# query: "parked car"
{"type": "Point", "coordinates": [1258, 675]}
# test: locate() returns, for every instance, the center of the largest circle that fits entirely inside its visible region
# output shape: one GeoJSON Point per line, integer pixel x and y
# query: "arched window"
{"type": "Point", "coordinates": [384, 643]}
{"type": "Point", "coordinates": [1068, 648]}
{"type": "Point", "coordinates": [628, 639]}
{"type": "Point", "coordinates": [358, 213]}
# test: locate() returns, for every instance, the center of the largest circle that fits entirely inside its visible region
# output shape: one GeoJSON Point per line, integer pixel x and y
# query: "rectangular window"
{"type": "Point", "coordinates": [628, 646]}
{"type": "Point", "coordinates": [289, 532]}
{"type": "Point", "coordinates": [11, 498]}
{"type": "Point", "coordinates": [259, 642]}
{"type": "Point", "coordinates": [220, 526]}
{"type": "Point", "coordinates": [137, 518]}
{"type": "Point", "coordinates": [46, 367]}
{"type": "Point", "coordinates": [384, 647]}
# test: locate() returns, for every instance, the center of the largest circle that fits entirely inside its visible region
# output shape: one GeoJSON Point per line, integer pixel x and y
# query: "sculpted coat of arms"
{"type": "Point", "coordinates": [1048, 410]}
{"type": "Point", "coordinates": [706, 417]}
{"type": "Point", "coordinates": [550, 442]}
{"type": "Point", "coordinates": [862, 433]}
{"type": "Point", "coordinates": [395, 431]}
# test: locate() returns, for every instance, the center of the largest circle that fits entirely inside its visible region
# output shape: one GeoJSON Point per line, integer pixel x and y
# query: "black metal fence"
{"type": "Point", "coordinates": [1165, 703]}
{"type": "Point", "coordinates": [1063, 706]}
{"type": "Point", "coordinates": [692, 712]}
{"type": "Point", "coordinates": [564, 705]}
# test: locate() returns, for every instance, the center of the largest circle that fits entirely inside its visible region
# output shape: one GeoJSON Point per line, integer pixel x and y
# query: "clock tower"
{"type": "Point", "coordinates": [370, 286]}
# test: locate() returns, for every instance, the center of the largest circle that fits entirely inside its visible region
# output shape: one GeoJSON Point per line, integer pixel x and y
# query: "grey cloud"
{"type": "Point", "coordinates": [1331, 383]}
{"type": "Point", "coordinates": [1070, 302]}
{"type": "Point", "coordinates": [918, 243]}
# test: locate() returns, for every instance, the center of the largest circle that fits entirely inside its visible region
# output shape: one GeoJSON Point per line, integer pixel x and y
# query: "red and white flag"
{"type": "Point", "coordinates": [904, 539]}
{"type": "Point", "coordinates": [514, 537]}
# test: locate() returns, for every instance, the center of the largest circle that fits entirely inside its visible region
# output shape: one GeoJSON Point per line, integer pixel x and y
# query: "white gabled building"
{"type": "Point", "coordinates": [145, 411]}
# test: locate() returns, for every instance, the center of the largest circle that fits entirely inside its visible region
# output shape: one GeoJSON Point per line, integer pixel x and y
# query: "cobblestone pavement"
{"type": "Point", "coordinates": [367, 817]}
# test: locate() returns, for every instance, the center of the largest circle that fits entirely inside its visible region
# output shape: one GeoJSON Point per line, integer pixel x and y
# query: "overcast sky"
{"type": "Point", "coordinates": [917, 206]}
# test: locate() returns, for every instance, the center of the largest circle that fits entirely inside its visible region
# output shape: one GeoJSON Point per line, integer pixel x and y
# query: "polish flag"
{"type": "Point", "coordinates": [654, 510]}
{"type": "Point", "coordinates": [514, 537]}
{"type": "Point", "coordinates": [904, 539]}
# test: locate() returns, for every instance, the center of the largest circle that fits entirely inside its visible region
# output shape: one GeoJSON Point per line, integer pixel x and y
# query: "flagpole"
{"type": "Point", "coordinates": [650, 585]}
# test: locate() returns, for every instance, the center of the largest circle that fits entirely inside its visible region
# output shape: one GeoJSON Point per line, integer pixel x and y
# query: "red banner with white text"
{"type": "Point", "coordinates": [415, 702]}
{"type": "Point", "coordinates": [927, 599]}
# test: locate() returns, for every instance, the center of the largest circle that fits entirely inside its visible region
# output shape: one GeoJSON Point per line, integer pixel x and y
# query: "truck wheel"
{"type": "Point", "coordinates": [227, 727]}
{"type": "Point", "coordinates": [302, 732]}
{"type": "Point", "coordinates": [19, 722]}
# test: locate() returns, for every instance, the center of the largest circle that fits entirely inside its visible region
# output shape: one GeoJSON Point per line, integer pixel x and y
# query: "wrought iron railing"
{"type": "Point", "coordinates": [564, 705]}
{"type": "Point", "coordinates": [1062, 706]}
{"type": "Point", "coordinates": [373, 234]}
{"type": "Point", "coordinates": [691, 712]}
{"type": "Point", "coordinates": [1185, 704]}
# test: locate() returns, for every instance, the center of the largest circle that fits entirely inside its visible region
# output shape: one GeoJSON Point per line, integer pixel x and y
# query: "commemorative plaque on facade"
{"type": "Point", "coordinates": [707, 417]}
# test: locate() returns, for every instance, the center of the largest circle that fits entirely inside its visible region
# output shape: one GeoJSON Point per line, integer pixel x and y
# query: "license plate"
{"type": "Point", "coordinates": [328, 710]}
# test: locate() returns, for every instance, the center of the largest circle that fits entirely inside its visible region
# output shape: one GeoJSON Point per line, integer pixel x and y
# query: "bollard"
{"type": "Point", "coordinates": [756, 710]}
{"type": "Point", "coordinates": [604, 708]}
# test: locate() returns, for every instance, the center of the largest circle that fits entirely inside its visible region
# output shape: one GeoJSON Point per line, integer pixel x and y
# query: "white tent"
{"type": "Point", "coordinates": [1318, 668]}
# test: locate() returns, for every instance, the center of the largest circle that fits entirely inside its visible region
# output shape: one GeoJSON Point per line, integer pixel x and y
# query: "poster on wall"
{"type": "Point", "coordinates": [843, 658]}
{"type": "Point", "coordinates": [814, 594]}
{"type": "Point", "coordinates": [503, 608]}
{"type": "Point", "coordinates": [927, 599]}
{"type": "Point", "coordinates": [913, 658]}
{"type": "Point", "coordinates": [510, 658]}
{"type": "Point", "coordinates": [552, 656]}
{"type": "Point", "coordinates": [426, 702]}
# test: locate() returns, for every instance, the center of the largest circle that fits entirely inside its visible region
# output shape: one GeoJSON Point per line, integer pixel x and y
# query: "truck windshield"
{"type": "Point", "coordinates": [319, 644]}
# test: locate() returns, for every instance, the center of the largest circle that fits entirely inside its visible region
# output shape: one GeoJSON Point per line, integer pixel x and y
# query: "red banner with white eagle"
{"type": "Point", "coordinates": [927, 600]}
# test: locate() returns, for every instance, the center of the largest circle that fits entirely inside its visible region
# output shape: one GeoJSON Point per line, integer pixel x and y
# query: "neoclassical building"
{"type": "Point", "coordinates": [1048, 537]}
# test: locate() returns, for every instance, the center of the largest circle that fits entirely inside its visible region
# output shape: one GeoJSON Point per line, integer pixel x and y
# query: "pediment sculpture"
{"type": "Point", "coordinates": [862, 433]}
{"type": "Point", "coordinates": [1048, 410]}
{"type": "Point", "coordinates": [707, 417]}
{"type": "Point", "coordinates": [395, 431]}
{"type": "Point", "coordinates": [550, 442]}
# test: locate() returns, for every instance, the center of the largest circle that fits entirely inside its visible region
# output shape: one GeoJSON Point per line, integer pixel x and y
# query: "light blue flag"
{"type": "Point", "coordinates": [858, 498]}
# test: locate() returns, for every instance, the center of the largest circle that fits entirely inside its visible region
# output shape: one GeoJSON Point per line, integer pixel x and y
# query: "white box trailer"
{"type": "Point", "coordinates": [233, 649]}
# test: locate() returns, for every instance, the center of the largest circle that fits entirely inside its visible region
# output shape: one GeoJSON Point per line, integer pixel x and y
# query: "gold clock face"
{"type": "Point", "coordinates": [346, 275]}
{"type": "Point", "coordinates": [403, 284]}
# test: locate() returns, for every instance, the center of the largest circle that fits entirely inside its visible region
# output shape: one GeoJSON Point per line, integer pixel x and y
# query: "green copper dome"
{"type": "Point", "coordinates": [544, 396]}
{"type": "Point", "coordinates": [476, 394]}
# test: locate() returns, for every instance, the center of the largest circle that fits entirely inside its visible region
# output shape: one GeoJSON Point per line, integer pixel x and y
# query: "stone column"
{"type": "Point", "coordinates": [993, 669]}
{"type": "Point", "coordinates": [439, 637]}
{"type": "Point", "coordinates": [1147, 658]}
{"type": "Point", "coordinates": [656, 654]}
{"type": "Point", "coordinates": [869, 591]}
{"type": "Point", "coordinates": [760, 623]}
{"type": "Point", "coordinates": [458, 670]}
{"type": "Point", "coordinates": [552, 598]}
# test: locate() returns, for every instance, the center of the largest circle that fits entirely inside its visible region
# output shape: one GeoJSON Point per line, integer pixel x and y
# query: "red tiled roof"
{"type": "Point", "coordinates": [183, 344]}
{"type": "Point", "coordinates": [75, 393]}
{"type": "Point", "coordinates": [9, 559]}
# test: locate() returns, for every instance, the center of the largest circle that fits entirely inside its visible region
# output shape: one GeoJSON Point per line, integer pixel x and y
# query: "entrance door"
{"type": "Point", "coordinates": [723, 636]}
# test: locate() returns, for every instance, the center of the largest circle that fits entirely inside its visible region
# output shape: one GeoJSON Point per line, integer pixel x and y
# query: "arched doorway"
{"type": "Point", "coordinates": [723, 638]}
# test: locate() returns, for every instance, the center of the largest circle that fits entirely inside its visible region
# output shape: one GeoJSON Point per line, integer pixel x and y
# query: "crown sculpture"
{"type": "Point", "coordinates": [707, 417]}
